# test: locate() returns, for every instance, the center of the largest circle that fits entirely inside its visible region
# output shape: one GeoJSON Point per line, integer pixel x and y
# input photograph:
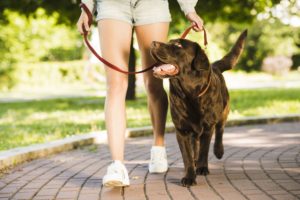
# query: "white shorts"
{"type": "Point", "coordinates": [134, 12]}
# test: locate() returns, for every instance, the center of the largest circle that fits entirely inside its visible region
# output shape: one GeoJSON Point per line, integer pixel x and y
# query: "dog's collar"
{"type": "Point", "coordinates": [208, 83]}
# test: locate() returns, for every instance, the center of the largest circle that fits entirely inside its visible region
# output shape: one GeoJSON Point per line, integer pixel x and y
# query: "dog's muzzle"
{"type": "Point", "coordinates": [165, 70]}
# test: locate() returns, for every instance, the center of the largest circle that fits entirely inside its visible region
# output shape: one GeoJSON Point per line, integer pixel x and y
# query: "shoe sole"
{"type": "Point", "coordinates": [157, 172]}
{"type": "Point", "coordinates": [154, 170]}
{"type": "Point", "coordinates": [115, 184]}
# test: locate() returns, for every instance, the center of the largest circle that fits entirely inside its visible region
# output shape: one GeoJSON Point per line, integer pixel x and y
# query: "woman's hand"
{"type": "Point", "coordinates": [196, 20]}
{"type": "Point", "coordinates": [83, 20]}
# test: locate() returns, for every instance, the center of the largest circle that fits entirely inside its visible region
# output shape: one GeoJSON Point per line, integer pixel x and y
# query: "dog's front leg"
{"type": "Point", "coordinates": [185, 145]}
{"type": "Point", "coordinates": [218, 146]}
{"type": "Point", "coordinates": [202, 163]}
{"type": "Point", "coordinates": [196, 148]}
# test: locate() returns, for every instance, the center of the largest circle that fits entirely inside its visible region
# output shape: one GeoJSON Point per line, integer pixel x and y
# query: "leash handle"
{"type": "Point", "coordinates": [90, 17]}
{"type": "Point", "coordinates": [190, 28]}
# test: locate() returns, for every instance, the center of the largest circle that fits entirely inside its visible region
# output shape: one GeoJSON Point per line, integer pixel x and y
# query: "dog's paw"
{"type": "Point", "coordinates": [219, 151]}
{"type": "Point", "coordinates": [202, 171]}
{"type": "Point", "coordinates": [187, 181]}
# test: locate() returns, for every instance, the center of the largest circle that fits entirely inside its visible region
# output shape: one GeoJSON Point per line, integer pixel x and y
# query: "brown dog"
{"type": "Point", "coordinates": [199, 99]}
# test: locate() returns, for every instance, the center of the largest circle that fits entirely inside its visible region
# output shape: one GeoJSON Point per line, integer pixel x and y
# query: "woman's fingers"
{"type": "Point", "coordinates": [196, 20]}
{"type": "Point", "coordinates": [86, 24]}
{"type": "Point", "coordinates": [79, 26]}
{"type": "Point", "coordinates": [199, 23]}
{"type": "Point", "coordinates": [83, 23]}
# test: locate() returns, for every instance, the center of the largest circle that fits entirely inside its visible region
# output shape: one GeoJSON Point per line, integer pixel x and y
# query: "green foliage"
{"type": "Point", "coordinates": [29, 39]}
{"type": "Point", "coordinates": [233, 11]}
{"type": "Point", "coordinates": [34, 38]}
{"type": "Point", "coordinates": [32, 122]}
{"type": "Point", "coordinates": [68, 9]}
{"type": "Point", "coordinates": [268, 38]}
{"type": "Point", "coordinates": [213, 10]}
{"type": "Point", "coordinates": [7, 80]}
{"type": "Point", "coordinates": [49, 74]}
{"type": "Point", "coordinates": [264, 102]}
{"type": "Point", "coordinates": [265, 38]}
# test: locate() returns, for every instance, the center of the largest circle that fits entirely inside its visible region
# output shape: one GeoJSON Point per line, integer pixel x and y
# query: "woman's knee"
{"type": "Point", "coordinates": [153, 86]}
{"type": "Point", "coordinates": [117, 86]}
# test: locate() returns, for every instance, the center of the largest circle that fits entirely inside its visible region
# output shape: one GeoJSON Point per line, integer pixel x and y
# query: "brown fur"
{"type": "Point", "coordinates": [196, 118]}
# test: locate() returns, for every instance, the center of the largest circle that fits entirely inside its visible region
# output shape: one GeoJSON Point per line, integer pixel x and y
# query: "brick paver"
{"type": "Point", "coordinates": [260, 162]}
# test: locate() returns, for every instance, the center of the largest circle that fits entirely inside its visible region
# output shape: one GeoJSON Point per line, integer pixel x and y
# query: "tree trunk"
{"type": "Point", "coordinates": [130, 95]}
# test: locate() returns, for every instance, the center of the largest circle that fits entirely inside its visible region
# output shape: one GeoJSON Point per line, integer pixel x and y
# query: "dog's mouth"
{"type": "Point", "coordinates": [163, 69]}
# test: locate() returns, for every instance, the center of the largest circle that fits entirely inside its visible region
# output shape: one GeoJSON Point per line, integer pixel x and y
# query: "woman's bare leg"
{"type": "Point", "coordinates": [157, 97]}
{"type": "Point", "coordinates": [115, 38]}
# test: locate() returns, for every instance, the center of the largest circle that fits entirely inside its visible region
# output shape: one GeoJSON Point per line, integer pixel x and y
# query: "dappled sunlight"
{"type": "Point", "coordinates": [64, 117]}
{"type": "Point", "coordinates": [293, 170]}
{"type": "Point", "coordinates": [246, 142]}
{"type": "Point", "coordinates": [264, 102]}
{"type": "Point", "coordinates": [59, 116]}
{"type": "Point", "coordinates": [274, 108]}
{"type": "Point", "coordinates": [255, 130]}
{"type": "Point", "coordinates": [253, 137]}
{"type": "Point", "coordinates": [52, 88]}
{"type": "Point", "coordinates": [289, 135]}
{"type": "Point", "coordinates": [240, 79]}
{"type": "Point", "coordinates": [137, 162]}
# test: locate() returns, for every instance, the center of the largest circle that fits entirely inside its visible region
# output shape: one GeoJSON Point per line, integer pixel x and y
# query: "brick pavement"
{"type": "Point", "coordinates": [260, 162]}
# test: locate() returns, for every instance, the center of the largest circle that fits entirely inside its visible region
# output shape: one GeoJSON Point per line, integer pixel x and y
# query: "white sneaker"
{"type": "Point", "coordinates": [158, 162]}
{"type": "Point", "coordinates": [116, 175]}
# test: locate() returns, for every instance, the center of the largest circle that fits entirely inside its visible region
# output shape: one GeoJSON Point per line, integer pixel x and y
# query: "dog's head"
{"type": "Point", "coordinates": [178, 57]}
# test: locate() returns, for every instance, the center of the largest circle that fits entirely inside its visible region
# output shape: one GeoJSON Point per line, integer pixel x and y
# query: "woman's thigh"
{"type": "Point", "coordinates": [115, 39]}
{"type": "Point", "coordinates": [146, 34]}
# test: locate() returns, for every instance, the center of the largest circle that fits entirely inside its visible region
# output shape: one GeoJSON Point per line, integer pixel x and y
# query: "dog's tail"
{"type": "Point", "coordinates": [230, 59]}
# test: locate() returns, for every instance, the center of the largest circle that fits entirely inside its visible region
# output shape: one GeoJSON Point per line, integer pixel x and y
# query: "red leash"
{"type": "Point", "coordinates": [189, 29]}
{"type": "Point", "coordinates": [107, 63]}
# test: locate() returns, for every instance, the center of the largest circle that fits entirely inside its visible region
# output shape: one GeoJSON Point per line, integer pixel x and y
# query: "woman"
{"type": "Point", "coordinates": [150, 19]}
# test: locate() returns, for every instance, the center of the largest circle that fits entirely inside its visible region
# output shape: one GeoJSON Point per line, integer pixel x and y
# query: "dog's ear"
{"type": "Point", "coordinates": [200, 60]}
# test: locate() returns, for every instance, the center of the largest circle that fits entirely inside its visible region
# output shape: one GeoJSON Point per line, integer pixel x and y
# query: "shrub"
{"type": "Point", "coordinates": [49, 74]}
{"type": "Point", "coordinates": [265, 38]}
{"type": "Point", "coordinates": [277, 65]}
{"type": "Point", "coordinates": [32, 39]}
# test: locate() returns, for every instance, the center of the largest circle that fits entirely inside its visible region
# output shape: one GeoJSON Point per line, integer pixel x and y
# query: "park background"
{"type": "Point", "coordinates": [50, 89]}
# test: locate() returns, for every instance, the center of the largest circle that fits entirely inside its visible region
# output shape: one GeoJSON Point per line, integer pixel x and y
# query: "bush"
{"type": "Point", "coordinates": [277, 65]}
{"type": "Point", "coordinates": [7, 80]}
{"type": "Point", "coordinates": [50, 74]}
{"type": "Point", "coordinates": [35, 38]}
{"type": "Point", "coordinates": [265, 38]}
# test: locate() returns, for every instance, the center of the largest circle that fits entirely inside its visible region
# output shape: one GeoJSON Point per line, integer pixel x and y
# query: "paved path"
{"type": "Point", "coordinates": [260, 162]}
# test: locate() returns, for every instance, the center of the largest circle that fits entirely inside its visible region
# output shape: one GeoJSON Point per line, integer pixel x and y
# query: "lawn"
{"type": "Point", "coordinates": [32, 122]}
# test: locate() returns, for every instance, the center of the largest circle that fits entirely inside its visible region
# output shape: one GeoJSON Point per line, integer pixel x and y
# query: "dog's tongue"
{"type": "Point", "coordinates": [165, 68]}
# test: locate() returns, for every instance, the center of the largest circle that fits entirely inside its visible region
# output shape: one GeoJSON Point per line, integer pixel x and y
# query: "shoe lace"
{"type": "Point", "coordinates": [114, 169]}
{"type": "Point", "coordinates": [157, 156]}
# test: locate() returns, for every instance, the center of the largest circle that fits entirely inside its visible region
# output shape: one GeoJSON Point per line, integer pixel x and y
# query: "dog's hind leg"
{"type": "Point", "coordinates": [218, 146]}
{"type": "Point", "coordinates": [202, 163]}
{"type": "Point", "coordinates": [185, 145]}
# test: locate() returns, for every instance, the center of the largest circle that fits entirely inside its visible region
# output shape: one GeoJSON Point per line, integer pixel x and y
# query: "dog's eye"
{"type": "Point", "coordinates": [178, 45]}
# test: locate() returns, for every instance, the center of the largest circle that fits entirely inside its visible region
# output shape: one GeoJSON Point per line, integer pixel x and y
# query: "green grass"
{"type": "Point", "coordinates": [32, 122]}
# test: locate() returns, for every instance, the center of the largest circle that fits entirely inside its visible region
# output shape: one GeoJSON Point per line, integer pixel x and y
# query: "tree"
{"type": "Point", "coordinates": [234, 11]}
{"type": "Point", "coordinates": [229, 10]}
